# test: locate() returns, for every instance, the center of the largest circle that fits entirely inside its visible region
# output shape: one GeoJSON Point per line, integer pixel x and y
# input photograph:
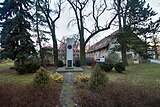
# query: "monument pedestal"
{"type": "Point", "coordinates": [69, 57]}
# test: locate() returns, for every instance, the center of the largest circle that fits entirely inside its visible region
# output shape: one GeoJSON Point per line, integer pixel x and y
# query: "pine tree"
{"type": "Point", "coordinates": [131, 15]}
{"type": "Point", "coordinates": [15, 36]}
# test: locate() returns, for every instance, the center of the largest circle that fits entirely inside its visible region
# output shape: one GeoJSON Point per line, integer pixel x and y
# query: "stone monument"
{"type": "Point", "coordinates": [69, 57]}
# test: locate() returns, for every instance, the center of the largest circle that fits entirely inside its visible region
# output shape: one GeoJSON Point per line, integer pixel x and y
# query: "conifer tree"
{"type": "Point", "coordinates": [15, 36]}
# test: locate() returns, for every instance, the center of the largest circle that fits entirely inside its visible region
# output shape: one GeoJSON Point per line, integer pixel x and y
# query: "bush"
{"type": "Point", "coordinates": [83, 78]}
{"type": "Point", "coordinates": [60, 63]}
{"type": "Point", "coordinates": [21, 69]}
{"type": "Point", "coordinates": [32, 67]}
{"type": "Point", "coordinates": [77, 63]}
{"type": "Point", "coordinates": [106, 66]}
{"type": "Point", "coordinates": [26, 95]}
{"type": "Point", "coordinates": [57, 77]}
{"type": "Point", "coordinates": [119, 67]}
{"type": "Point", "coordinates": [27, 68]}
{"type": "Point", "coordinates": [98, 78]}
{"type": "Point", "coordinates": [41, 78]}
{"type": "Point", "coordinates": [118, 94]}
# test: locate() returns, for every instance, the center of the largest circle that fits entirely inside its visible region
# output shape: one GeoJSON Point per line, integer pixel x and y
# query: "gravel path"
{"type": "Point", "coordinates": [67, 91]}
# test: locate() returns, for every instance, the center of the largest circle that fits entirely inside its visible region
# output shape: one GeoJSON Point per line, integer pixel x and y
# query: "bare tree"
{"type": "Point", "coordinates": [38, 35]}
{"type": "Point", "coordinates": [98, 9]}
{"type": "Point", "coordinates": [46, 10]}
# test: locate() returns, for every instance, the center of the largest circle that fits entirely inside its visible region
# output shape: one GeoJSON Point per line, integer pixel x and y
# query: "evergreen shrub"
{"type": "Point", "coordinates": [60, 63]}
{"type": "Point", "coordinates": [41, 78]}
{"type": "Point", "coordinates": [119, 67]}
{"type": "Point", "coordinates": [98, 78]}
{"type": "Point", "coordinates": [106, 66]}
{"type": "Point", "coordinates": [27, 68]}
{"type": "Point", "coordinates": [21, 69]}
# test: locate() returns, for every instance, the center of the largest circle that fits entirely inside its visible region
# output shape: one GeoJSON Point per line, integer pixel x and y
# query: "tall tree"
{"type": "Point", "coordinates": [39, 20]}
{"type": "Point", "coordinates": [16, 41]}
{"type": "Point", "coordinates": [131, 14]}
{"type": "Point", "coordinates": [98, 9]}
{"type": "Point", "coordinates": [46, 10]}
{"type": "Point", "coordinates": [155, 39]}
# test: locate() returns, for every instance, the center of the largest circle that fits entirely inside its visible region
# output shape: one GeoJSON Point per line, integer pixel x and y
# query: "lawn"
{"type": "Point", "coordinates": [135, 73]}
{"type": "Point", "coordinates": [11, 76]}
{"type": "Point", "coordinates": [148, 73]}
{"type": "Point", "coordinates": [7, 64]}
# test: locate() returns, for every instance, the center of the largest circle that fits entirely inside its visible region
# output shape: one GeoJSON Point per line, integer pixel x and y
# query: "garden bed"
{"type": "Point", "coordinates": [19, 91]}
{"type": "Point", "coordinates": [137, 86]}
{"type": "Point", "coordinates": [13, 95]}
{"type": "Point", "coordinates": [122, 94]}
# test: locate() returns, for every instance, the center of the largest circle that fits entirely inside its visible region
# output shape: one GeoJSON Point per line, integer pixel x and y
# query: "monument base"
{"type": "Point", "coordinates": [69, 69]}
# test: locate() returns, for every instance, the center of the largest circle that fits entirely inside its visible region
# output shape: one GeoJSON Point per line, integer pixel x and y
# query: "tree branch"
{"type": "Point", "coordinates": [102, 11]}
{"type": "Point", "coordinates": [95, 19]}
{"type": "Point", "coordinates": [103, 29]}
{"type": "Point", "coordinates": [59, 13]}
{"type": "Point", "coordinates": [88, 30]}
{"type": "Point", "coordinates": [76, 13]}
{"type": "Point", "coordinates": [49, 24]}
{"type": "Point", "coordinates": [41, 31]}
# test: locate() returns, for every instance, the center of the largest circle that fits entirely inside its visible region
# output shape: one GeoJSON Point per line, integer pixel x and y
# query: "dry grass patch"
{"type": "Point", "coordinates": [123, 94]}
{"type": "Point", "coordinates": [13, 95]}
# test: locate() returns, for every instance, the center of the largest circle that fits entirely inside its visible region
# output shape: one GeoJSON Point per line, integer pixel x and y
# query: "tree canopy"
{"type": "Point", "coordinates": [132, 15]}
{"type": "Point", "coordinates": [15, 36]}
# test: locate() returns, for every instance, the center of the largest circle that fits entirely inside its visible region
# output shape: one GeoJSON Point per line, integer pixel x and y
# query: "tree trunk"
{"type": "Point", "coordinates": [124, 56]}
{"type": "Point", "coordinates": [82, 55]}
{"type": "Point", "coordinates": [82, 44]}
{"type": "Point", "coordinates": [55, 53]}
{"type": "Point", "coordinates": [55, 49]}
{"type": "Point", "coordinates": [123, 49]}
{"type": "Point", "coordinates": [39, 40]}
{"type": "Point", "coordinates": [156, 53]}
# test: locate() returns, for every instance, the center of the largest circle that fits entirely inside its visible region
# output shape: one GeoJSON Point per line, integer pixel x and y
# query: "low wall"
{"type": "Point", "coordinates": [154, 61]}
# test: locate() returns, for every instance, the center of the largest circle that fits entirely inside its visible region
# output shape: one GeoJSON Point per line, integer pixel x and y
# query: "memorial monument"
{"type": "Point", "coordinates": [69, 57]}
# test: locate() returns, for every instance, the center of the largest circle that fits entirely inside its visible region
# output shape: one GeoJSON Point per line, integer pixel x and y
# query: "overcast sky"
{"type": "Point", "coordinates": [63, 30]}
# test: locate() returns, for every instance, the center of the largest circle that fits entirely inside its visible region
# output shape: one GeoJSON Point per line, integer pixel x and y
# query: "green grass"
{"type": "Point", "coordinates": [11, 76]}
{"type": "Point", "coordinates": [136, 73]}
{"type": "Point", "coordinates": [148, 73]}
{"type": "Point", "coordinates": [140, 73]}
{"type": "Point", "coordinates": [6, 64]}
